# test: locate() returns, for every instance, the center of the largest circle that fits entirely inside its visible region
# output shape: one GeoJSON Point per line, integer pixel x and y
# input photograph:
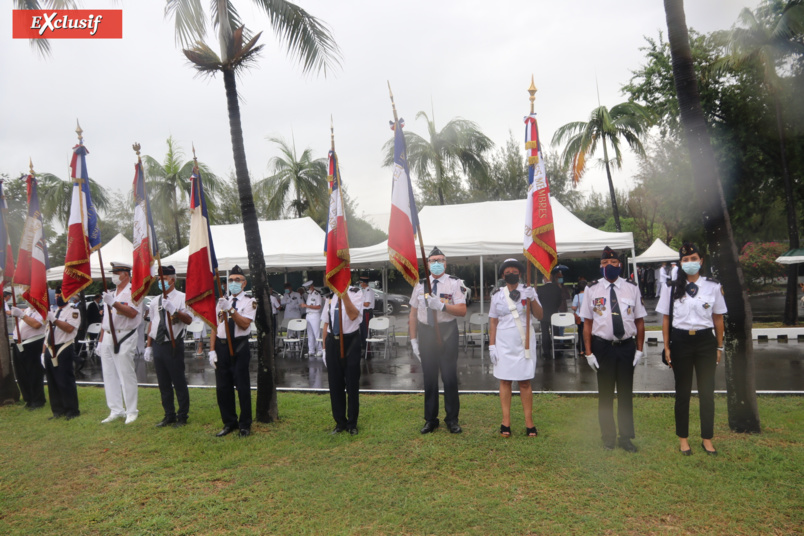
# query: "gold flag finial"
{"type": "Point", "coordinates": [332, 131]}
{"type": "Point", "coordinates": [30, 165]}
{"type": "Point", "coordinates": [195, 158]}
{"type": "Point", "coordinates": [136, 148]}
{"type": "Point", "coordinates": [532, 90]}
{"type": "Point", "coordinates": [393, 104]}
{"type": "Point", "coordinates": [79, 131]}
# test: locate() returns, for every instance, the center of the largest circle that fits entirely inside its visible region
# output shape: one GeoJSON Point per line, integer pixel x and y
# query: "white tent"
{"type": "Point", "coordinates": [295, 244]}
{"type": "Point", "coordinates": [794, 256]}
{"type": "Point", "coordinates": [657, 252]}
{"type": "Point", "coordinates": [118, 249]}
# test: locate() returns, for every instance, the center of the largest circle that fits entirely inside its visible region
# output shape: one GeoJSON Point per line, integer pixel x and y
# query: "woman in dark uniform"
{"type": "Point", "coordinates": [696, 342]}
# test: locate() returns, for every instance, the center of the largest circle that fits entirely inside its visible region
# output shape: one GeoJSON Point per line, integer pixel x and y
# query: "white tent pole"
{"type": "Point", "coordinates": [384, 288]}
{"type": "Point", "coordinates": [482, 289]}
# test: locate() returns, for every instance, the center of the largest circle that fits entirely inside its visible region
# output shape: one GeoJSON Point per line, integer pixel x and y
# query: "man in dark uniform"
{"type": "Point", "coordinates": [343, 374]}
{"type": "Point", "coordinates": [441, 307]}
{"type": "Point", "coordinates": [238, 311]}
{"type": "Point", "coordinates": [613, 334]}
{"type": "Point", "coordinates": [58, 360]}
{"type": "Point", "coordinates": [167, 355]}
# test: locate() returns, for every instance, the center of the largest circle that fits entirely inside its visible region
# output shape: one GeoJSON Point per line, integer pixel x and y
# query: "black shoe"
{"type": "Point", "coordinates": [429, 427]}
{"type": "Point", "coordinates": [54, 417]}
{"type": "Point", "coordinates": [226, 431]}
{"type": "Point", "coordinates": [180, 421]}
{"type": "Point", "coordinates": [164, 422]}
{"type": "Point", "coordinates": [608, 445]}
{"type": "Point", "coordinates": [626, 445]}
{"type": "Point", "coordinates": [337, 430]}
{"type": "Point", "coordinates": [531, 432]}
{"type": "Point", "coordinates": [245, 432]}
{"type": "Point", "coordinates": [353, 431]}
{"type": "Point", "coordinates": [709, 452]}
{"type": "Point", "coordinates": [454, 428]}
{"type": "Point", "coordinates": [687, 452]}
{"type": "Point", "coordinates": [71, 416]}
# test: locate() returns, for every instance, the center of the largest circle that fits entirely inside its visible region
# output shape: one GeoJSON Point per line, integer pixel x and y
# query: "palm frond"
{"type": "Point", "coordinates": [204, 59]}
{"type": "Point", "coordinates": [189, 19]}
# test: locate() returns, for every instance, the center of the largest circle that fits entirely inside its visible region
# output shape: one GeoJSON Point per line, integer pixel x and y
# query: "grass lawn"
{"type": "Point", "coordinates": [292, 477]}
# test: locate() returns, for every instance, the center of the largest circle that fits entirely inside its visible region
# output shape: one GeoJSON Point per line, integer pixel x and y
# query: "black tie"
{"type": "Point", "coordinates": [616, 318]}
{"type": "Point", "coordinates": [336, 321]}
{"type": "Point", "coordinates": [58, 313]}
{"type": "Point", "coordinates": [161, 331]}
{"type": "Point", "coordinates": [430, 312]}
{"type": "Point", "coordinates": [692, 289]}
{"type": "Point", "coordinates": [231, 319]}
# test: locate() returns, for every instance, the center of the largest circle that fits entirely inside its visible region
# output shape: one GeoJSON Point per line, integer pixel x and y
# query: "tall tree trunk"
{"type": "Point", "coordinates": [613, 195]}
{"type": "Point", "coordinates": [266, 410]}
{"type": "Point", "coordinates": [9, 392]}
{"type": "Point", "coordinates": [740, 379]}
{"type": "Point", "coordinates": [791, 296]}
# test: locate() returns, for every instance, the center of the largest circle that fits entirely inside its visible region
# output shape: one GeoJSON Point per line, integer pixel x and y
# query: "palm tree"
{"type": "Point", "coordinates": [298, 183]}
{"type": "Point", "coordinates": [740, 380]}
{"type": "Point", "coordinates": [762, 47]}
{"type": "Point", "coordinates": [169, 187]}
{"type": "Point", "coordinates": [308, 41]}
{"type": "Point", "coordinates": [55, 196]}
{"type": "Point", "coordinates": [43, 45]}
{"type": "Point", "coordinates": [437, 159]}
{"type": "Point", "coordinates": [627, 121]}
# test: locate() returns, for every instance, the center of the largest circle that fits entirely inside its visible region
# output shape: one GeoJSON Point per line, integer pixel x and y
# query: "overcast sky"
{"type": "Point", "coordinates": [466, 59]}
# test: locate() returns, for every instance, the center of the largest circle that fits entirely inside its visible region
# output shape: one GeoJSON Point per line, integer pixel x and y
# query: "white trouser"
{"type": "Point", "coordinates": [119, 376]}
{"type": "Point", "coordinates": [313, 332]}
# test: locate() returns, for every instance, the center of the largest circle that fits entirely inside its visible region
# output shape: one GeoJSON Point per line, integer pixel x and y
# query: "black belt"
{"type": "Point", "coordinates": [336, 337]}
{"type": "Point", "coordinates": [615, 342]}
{"type": "Point", "coordinates": [691, 332]}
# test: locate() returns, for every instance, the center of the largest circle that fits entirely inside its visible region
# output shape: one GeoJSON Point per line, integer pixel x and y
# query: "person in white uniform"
{"type": "Point", "coordinates": [313, 303]}
{"type": "Point", "coordinates": [58, 359]}
{"type": "Point", "coordinates": [693, 333]}
{"type": "Point", "coordinates": [119, 375]}
{"type": "Point", "coordinates": [291, 303]}
{"type": "Point", "coordinates": [27, 365]}
{"type": "Point", "coordinates": [507, 338]}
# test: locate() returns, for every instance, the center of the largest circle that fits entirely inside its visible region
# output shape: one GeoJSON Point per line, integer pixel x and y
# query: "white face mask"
{"type": "Point", "coordinates": [116, 280]}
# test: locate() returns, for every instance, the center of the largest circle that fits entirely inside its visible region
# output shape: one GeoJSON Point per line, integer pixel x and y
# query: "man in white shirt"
{"type": "Point", "coordinates": [119, 375]}
{"type": "Point", "coordinates": [65, 322]}
{"type": "Point", "coordinates": [27, 356]}
{"type": "Point", "coordinates": [313, 304]}
{"type": "Point", "coordinates": [167, 355]}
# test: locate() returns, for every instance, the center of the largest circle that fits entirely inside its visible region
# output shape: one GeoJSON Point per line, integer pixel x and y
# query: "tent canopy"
{"type": "Point", "coordinates": [657, 252]}
{"type": "Point", "coordinates": [495, 231]}
{"type": "Point", "coordinates": [118, 249]}
{"type": "Point", "coordinates": [296, 244]}
{"type": "Point", "coordinates": [794, 256]}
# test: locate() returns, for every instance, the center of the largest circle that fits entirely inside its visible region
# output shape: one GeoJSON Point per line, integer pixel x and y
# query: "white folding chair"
{"type": "Point", "coordinates": [321, 331]}
{"type": "Point", "coordinates": [474, 336]}
{"type": "Point", "coordinates": [378, 330]}
{"type": "Point", "coordinates": [564, 320]}
{"type": "Point", "coordinates": [89, 344]}
{"type": "Point", "coordinates": [297, 341]}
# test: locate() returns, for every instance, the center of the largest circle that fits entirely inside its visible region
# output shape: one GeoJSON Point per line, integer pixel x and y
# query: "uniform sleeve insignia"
{"type": "Point", "coordinates": [75, 315]}
{"type": "Point", "coordinates": [722, 292]}
{"type": "Point", "coordinates": [253, 305]}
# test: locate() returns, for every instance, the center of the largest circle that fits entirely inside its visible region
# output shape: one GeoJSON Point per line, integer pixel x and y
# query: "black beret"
{"type": "Point", "coordinates": [609, 253]}
{"type": "Point", "coordinates": [688, 249]}
{"type": "Point", "coordinates": [168, 270]}
{"type": "Point", "coordinates": [435, 252]}
{"type": "Point", "coordinates": [512, 262]}
{"type": "Point", "coordinates": [236, 270]}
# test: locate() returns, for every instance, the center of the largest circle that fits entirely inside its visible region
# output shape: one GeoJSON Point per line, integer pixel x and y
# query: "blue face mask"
{"type": "Point", "coordinates": [691, 268]}
{"type": "Point", "coordinates": [235, 288]}
{"type": "Point", "coordinates": [163, 285]}
{"type": "Point", "coordinates": [287, 291]}
{"type": "Point", "coordinates": [610, 272]}
{"type": "Point", "coordinates": [561, 280]}
{"type": "Point", "coordinates": [436, 268]}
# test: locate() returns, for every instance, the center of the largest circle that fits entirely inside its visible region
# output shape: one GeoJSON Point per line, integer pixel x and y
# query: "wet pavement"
{"type": "Point", "coordinates": [778, 368]}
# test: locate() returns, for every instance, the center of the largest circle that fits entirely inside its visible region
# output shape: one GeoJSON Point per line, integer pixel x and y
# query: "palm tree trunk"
{"type": "Point", "coordinates": [790, 300]}
{"type": "Point", "coordinates": [266, 410]}
{"type": "Point", "coordinates": [740, 376]}
{"type": "Point", "coordinates": [614, 208]}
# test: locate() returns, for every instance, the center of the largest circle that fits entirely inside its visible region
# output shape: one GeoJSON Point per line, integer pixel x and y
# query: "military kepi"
{"type": "Point", "coordinates": [688, 249]}
{"type": "Point", "coordinates": [236, 270]}
{"type": "Point", "coordinates": [608, 253]}
{"type": "Point", "coordinates": [120, 266]}
{"type": "Point", "coordinates": [168, 270]}
{"type": "Point", "coordinates": [435, 252]}
{"type": "Point", "coordinates": [512, 263]}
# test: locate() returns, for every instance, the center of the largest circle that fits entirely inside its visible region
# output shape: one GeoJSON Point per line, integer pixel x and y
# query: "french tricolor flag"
{"type": "Point", "coordinates": [202, 263]}
{"type": "Point", "coordinates": [540, 237]}
{"type": "Point", "coordinates": [32, 261]}
{"type": "Point", "coordinates": [404, 216]}
{"type": "Point", "coordinates": [146, 249]}
{"type": "Point", "coordinates": [338, 273]}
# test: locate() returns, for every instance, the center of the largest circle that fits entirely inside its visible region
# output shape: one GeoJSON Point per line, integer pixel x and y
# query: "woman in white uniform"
{"type": "Point", "coordinates": [507, 325]}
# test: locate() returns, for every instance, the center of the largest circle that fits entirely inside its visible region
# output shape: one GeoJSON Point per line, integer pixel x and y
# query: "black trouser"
{"type": "Point", "coordinates": [368, 314]}
{"type": "Point", "coordinates": [232, 372]}
{"type": "Point", "coordinates": [580, 337]}
{"type": "Point", "coordinates": [30, 374]}
{"type": "Point", "coordinates": [616, 369]}
{"type": "Point", "coordinates": [344, 378]}
{"type": "Point", "coordinates": [169, 365]}
{"type": "Point", "coordinates": [61, 381]}
{"type": "Point", "coordinates": [699, 353]}
{"type": "Point", "coordinates": [444, 358]}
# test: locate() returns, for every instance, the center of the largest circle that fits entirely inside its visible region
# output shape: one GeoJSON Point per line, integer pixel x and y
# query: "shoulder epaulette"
{"type": "Point", "coordinates": [495, 292]}
{"type": "Point", "coordinates": [422, 280]}
{"type": "Point", "coordinates": [354, 289]}
{"type": "Point", "coordinates": [453, 277]}
{"type": "Point", "coordinates": [632, 282]}
{"type": "Point", "coordinates": [593, 283]}
{"type": "Point", "coordinates": [713, 280]}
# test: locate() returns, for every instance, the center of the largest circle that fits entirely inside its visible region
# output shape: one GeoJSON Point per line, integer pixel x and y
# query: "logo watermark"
{"type": "Point", "coordinates": [68, 24]}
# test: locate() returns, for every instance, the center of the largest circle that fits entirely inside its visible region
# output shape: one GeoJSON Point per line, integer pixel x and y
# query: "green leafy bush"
{"type": "Point", "coordinates": [758, 260]}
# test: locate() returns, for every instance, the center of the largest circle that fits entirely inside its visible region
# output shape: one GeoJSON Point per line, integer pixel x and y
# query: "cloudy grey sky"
{"type": "Point", "coordinates": [462, 58]}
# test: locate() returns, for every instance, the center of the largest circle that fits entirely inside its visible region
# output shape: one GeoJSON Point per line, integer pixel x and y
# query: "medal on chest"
{"type": "Point", "coordinates": [599, 305]}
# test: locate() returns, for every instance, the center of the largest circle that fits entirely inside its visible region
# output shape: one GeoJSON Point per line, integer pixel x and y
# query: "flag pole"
{"type": "Point", "coordinates": [13, 294]}
{"type": "Point", "coordinates": [427, 288]}
{"type": "Point", "coordinates": [168, 316]}
{"type": "Point", "coordinates": [340, 192]}
{"type": "Point", "coordinates": [217, 285]}
{"type": "Point", "coordinates": [532, 90]}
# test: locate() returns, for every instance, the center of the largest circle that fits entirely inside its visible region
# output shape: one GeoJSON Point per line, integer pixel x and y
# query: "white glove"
{"type": "Point", "coordinates": [435, 303]}
{"type": "Point", "coordinates": [638, 357]}
{"type": "Point", "coordinates": [149, 354]}
{"type": "Point", "coordinates": [169, 306]}
{"type": "Point", "coordinates": [109, 298]}
{"type": "Point", "coordinates": [213, 358]}
{"type": "Point", "coordinates": [43, 359]}
{"type": "Point", "coordinates": [414, 343]}
{"type": "Point", "coordinates": [51, 316]}
{"type": "Point", "coordinates": [224, 304]}
{"type": "Point", "coordinates": [493, 354]}
{"type": "Point", "coordinates": [324, 357]}
{"type": "Point", "coordinates": [592, 360]}
{"type": "Point", "coordinates": [529, 293]}
{"type": "Point", "coordinates": [16, 311]}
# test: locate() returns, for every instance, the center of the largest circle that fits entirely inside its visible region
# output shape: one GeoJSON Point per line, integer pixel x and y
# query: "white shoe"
{"type": "Point", "coordinates": [112, 417]}
{"type": "Point", "coordinates": [131, 418]}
